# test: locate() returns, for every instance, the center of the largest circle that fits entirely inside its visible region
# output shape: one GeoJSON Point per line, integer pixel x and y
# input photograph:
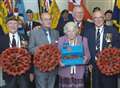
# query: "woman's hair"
{"type": "Point", "coordinates": [70, 24]}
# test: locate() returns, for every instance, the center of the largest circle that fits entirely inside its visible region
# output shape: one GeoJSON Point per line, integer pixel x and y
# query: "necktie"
{"type": "Point", "coordinates": [98, 41]}
{"type": "Point", "coordinates": [29, 25]}
{"type": "Point", "coordinates": [13, 41]}
{"type": "Point", "coordinates": [48, 36]}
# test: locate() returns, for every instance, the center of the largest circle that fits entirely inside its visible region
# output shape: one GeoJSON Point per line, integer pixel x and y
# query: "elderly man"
{"type": "Point", "coordinates": [78, 18]}
{"type": "Point", "coordinates": [97, 42]}
{"type": "Point", "coordinates": [13, 39]}
{"type": "Point", "coordinates": [39, 37]}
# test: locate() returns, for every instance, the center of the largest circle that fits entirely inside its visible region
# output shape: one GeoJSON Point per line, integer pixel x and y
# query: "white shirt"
{"type": "Point", "coordinates": [17, 38]}
{"type": "Point", "coordinates": [30, 23]}
{"type": "Point", "coordinates": [48, 36]}
{"type": "Point", "coordinates": [101, 36]}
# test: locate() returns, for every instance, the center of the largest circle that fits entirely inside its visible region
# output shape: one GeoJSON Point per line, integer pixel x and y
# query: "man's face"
{"type": "Point", "coordinates": [12, 26]}
{"type": "Point", "coordinates": [98, 18]}
{"type": "Point", "coordinates": [108, 16]}
{"type": "Point", "coordinates": [30, 16]}
{"type": "Point", "coordinates": [78, 14]}
{"type": "Point", "coordinates": [46, 20]}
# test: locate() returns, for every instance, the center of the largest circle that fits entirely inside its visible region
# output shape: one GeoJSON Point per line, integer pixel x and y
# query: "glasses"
{"type": "Point", "coordinates": [98, 18]}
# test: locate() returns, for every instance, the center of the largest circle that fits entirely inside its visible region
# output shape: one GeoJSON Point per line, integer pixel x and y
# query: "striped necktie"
{"type": "Point", "coordinates": [98, 41]}
{"type": "Point", "coordinates": [13, 41]}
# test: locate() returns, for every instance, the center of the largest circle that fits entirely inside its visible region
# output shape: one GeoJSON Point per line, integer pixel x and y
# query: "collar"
{"type": "Point", "coordinates": [100, 28]}
{"type": "Point", "coordinates": [11, 34]}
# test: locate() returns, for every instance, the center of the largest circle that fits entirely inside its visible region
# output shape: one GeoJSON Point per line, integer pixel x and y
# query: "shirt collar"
{"type": "Point", "coordinates": [100, 28]}
{"type": "Point", "coordinates": [15, 34]}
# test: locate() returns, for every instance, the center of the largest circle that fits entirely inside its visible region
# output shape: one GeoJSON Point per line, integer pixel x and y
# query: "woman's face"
{"type": "Point", "coordinates": [71, 32]}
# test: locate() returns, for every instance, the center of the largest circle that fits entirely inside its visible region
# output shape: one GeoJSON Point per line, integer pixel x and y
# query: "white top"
{"type": "Point", "coordinates": [48, 36]}
{"type": "Point", "coordinates": [17, 38]}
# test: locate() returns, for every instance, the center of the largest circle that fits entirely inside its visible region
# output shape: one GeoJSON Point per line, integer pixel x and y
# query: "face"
{"type": "Point", "coordinates": [12, 25]}
{"type": "Point", "coordinates": [78, 14]}
{"type": "Point", "coordinates": [108, 16]}
{"type": "Point", "coordinates": [46, 20]}
{"type": "Point", "coordinates": [30, 16]}
{"type": "Point", "coordinates": [98, 18]}
{"type": "Point", "coordinates": [70, 32]}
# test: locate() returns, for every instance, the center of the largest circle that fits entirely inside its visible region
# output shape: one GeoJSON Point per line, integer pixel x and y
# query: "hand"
{"type": "Point", "coordinates": [61, 64]}
{"type": "Point", "coordinates": [90, 67]}
{"type": "Point", "coordinates": [31, 77]}
{"type": "Point", "coordinates": [24, 44]}
{"type": "Point", "coordinates": [85, 59]}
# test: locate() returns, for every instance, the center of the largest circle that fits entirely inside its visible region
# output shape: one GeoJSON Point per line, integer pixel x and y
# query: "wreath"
{"type": "Point", "coordinates": [108, 61]}
{"type": "Point", "coordinates": [47, 57]}
{"type": "Point", "coordinates": [15, 61]}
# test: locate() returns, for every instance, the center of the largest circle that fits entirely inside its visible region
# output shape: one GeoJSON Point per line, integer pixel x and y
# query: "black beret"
{"type": "Point", "coordinates": [11, 17]}
{"type": "Point", "coordinates": [29, 11]}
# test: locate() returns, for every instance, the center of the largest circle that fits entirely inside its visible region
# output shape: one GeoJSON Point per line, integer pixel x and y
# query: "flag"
{"type": "Point", "coordinates": [55, 13]}
{"type": "Point", "coordinates": [3, 14]}
{"type": "Point", "coordinates": [20, 8]}
{"type": "Point", "coordinates": [72, 3]}
{"type": "Point", "coordinates": [34, 6]}
{"type": "Point", "coordinates": [19, 4]}
{"type": "Point", "coordinates": [116, 14]}
{"type": "Point", "coordinates": [9, 6]}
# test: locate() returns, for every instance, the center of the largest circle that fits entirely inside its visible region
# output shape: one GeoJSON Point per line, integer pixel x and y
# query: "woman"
{"type": "Point", "coordinates": [72, 76]}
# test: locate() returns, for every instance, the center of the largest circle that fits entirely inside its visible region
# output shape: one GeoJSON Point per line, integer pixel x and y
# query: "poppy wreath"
{"type": "Point", "coordinates": [15, 61]}
{"type": "Point", "coordinates": [47, 57]}
{"type": "Point", "coordinates": [108, 61]}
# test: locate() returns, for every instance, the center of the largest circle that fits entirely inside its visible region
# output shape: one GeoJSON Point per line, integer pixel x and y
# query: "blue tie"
{"type": "Point", "coordinates": [98, 41]}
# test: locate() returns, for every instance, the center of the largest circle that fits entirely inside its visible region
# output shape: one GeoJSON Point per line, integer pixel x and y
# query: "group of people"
{"type": "Point", "coordinates": [75, 32]}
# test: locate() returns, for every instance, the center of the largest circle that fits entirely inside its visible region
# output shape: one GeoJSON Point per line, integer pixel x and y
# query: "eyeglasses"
{"type": "Point", "coordinates": [98, 18]}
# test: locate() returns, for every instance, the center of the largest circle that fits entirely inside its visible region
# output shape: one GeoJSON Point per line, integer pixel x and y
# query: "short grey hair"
{"type": "Point", "coordinates": [70, 24]}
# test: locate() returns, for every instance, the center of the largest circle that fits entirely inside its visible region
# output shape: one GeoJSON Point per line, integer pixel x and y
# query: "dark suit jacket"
{"type": "Point", "coordinates": [90, 34]}
{"type": "Point", "coordinates": [4, 43]}
{"type": "Point", "coordinates": [1, 31]}
{"type": "Point", "coordinates": [33, 25]}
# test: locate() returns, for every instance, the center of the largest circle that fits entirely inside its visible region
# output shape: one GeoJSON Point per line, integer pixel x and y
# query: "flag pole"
{"type": "Point", "coordinates": [39, 6]}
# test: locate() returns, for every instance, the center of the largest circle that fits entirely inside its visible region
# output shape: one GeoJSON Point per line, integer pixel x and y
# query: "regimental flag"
{"type": "Point", "coordinates": [44, 5]}
{"type": "Point", "coordinates": [19, 4]}
{"type": "Point", "coordinates": [72, 3]}
{"type": "Point", "coordinates": [116, 14]}
{"type": "Point", "coordinates": [8, 5]}
{"type": "Point", "coordinates": [55, 13]}
{"type": "Point", "coordinates": [3, 14]}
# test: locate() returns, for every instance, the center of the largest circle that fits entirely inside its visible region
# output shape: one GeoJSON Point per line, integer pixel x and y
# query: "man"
{"type": "Point", "coordinates": [97, 41]}
{"type": "Point", "coordinates": [78, 18]}
{"type": "Point", "coordinates": [14, 39]}
{"type": "Point", "coordinates": [39, 37]}
{"type": "Point", "coordinates": [108, 18]}
{"type": "Point", "coordinates": [1, 31]}
{"type": "Point", "coordinates": [30, 24]}
{"type": "Point", "coordinates": [64, 18]}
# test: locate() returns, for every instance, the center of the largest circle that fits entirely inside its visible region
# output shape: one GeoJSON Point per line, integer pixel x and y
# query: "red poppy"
{"type": "Point", "coordinates": [108, 61]}
{"type": "Point", "coordinates": [47, 57]}
{"type": "Point", "coordinates": [15, 61]}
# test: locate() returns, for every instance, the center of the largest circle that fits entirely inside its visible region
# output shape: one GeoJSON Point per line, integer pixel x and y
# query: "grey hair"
{"type": "Point", "coordinates": [70, 24]}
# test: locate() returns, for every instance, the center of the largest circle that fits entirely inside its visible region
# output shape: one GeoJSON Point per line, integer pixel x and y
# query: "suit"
{"type": "Point", "coordinates": [1, 31]}
{"type": "Point", "coordinates": [38, 38]}
{"type": "Point", "coordinates": [100, 80]}
{"type": "Point", "coordinates": [34, 24]}
{"type": "Point", "coordinates": [13, 81]}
